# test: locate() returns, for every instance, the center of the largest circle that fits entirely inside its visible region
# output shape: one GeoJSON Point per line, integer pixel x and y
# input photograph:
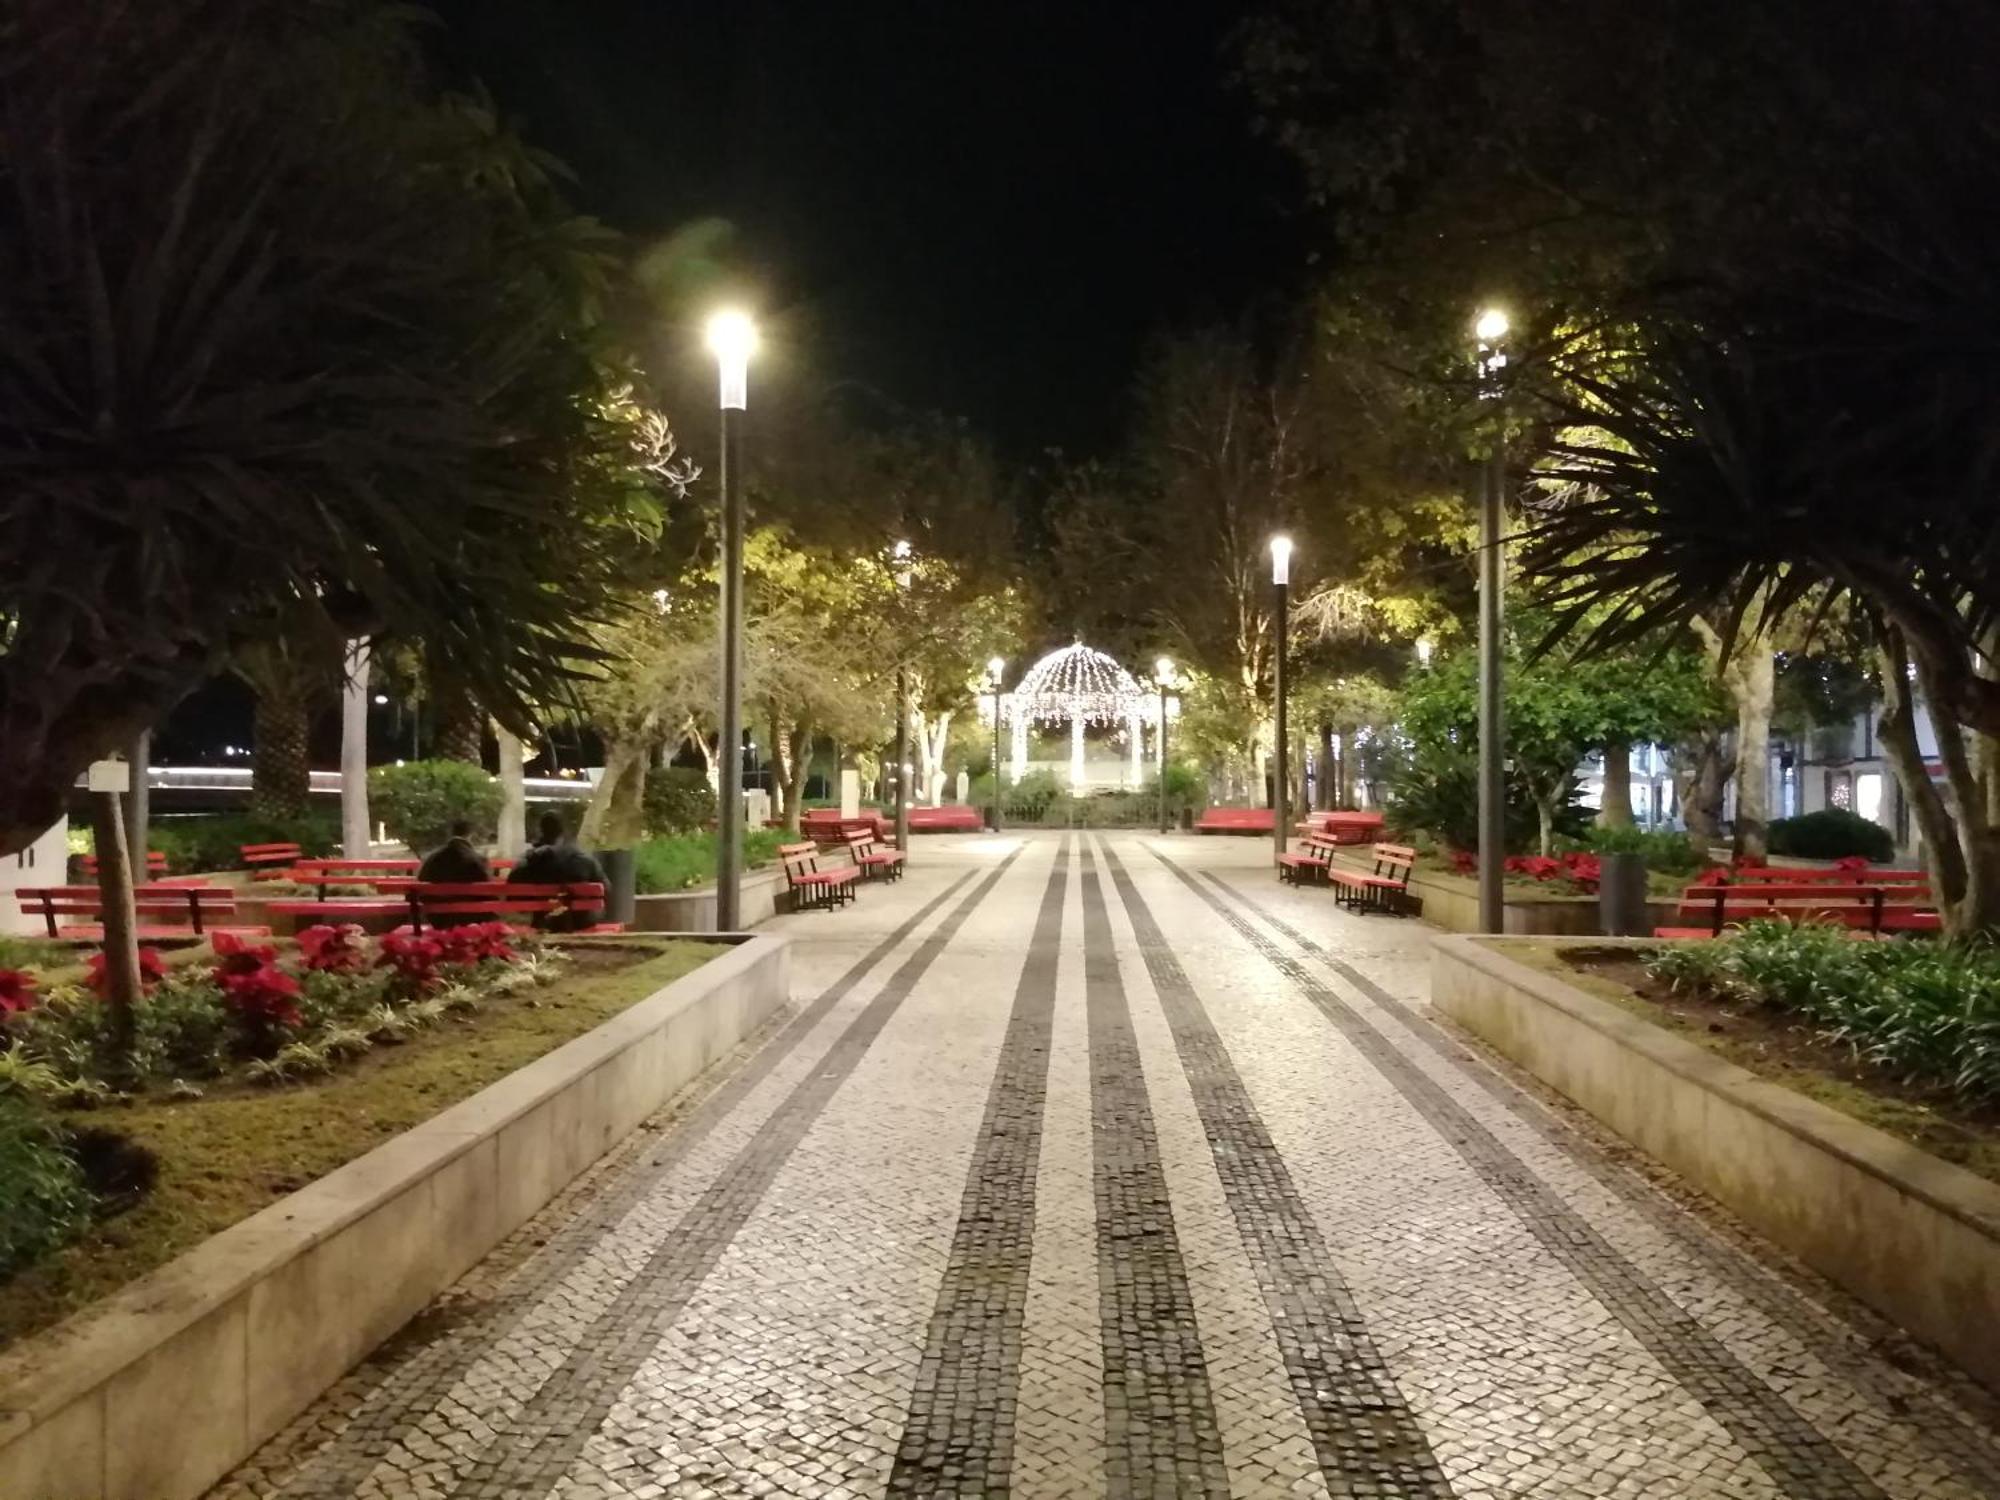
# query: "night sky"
{"type": "Point", "coordinates": [983, 209]}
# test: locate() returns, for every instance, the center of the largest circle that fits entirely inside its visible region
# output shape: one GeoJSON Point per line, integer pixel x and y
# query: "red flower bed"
{"type": "Point", "coordinates": [334, 950]}
{"type": "Point", "coordinates": [17, 992]}
{"type": "Point", "coordinates": [98, 977]}
{"type": "Point", "coordinates": [1579, 868]}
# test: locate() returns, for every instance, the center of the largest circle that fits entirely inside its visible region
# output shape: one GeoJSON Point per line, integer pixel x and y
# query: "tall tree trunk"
{"type": "Point", "coordinates": [461, 726]}
{"type": "Point", "coordinates": [1898, 729]}
{"type": "Point", "coordinates": [121, 930]}
{"type": "Point", "coordinates": [798, 770]}
{"type": "Point", "coordinates": [1755, 685]}
{"type": "Point", "coordinates": [933, 738]}
{"type": "Point", "coordinates": [617, 807]}
{"type": "Point", "coordinates": [513, 835]}
{"type": "Point", "coordinates": [1701, 775]}
{"type": "Point", "coordinates": [280, 773]}
{"type": "Point", "coordinates": [1615, 808]}
{"type": "Point", "coordinates": [1969, 798]}
{"type": "Point", "coordinates": [139, 801]}
{"type": "Point", "coordinates": [356, 834]}
{"type": "Point", "coordinates": [1330, 770]}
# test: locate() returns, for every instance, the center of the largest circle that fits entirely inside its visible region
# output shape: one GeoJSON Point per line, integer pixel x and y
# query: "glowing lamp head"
{"type": "Point", "coordinates": [1163, 670]}
{"type": "Point", "coordinates": [1281, 559]}
{"type": "Point", "coordinates": [1424, 649]}
{"type": "Point", "coordinates": [995, 667]}
{"type": "Point", "coordinates": [732, 339]}
{"type": "Point", "coordinates": [1492, 326]}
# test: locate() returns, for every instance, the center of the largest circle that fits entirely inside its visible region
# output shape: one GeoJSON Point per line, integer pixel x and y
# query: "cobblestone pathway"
{"type": "Point", "coordinates": [1101, 1165]}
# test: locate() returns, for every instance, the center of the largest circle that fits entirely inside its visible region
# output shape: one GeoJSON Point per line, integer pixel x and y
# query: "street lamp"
{"type": "Point", "coordinates": [993, 680]}
{"type": "Point", "coordinates": [732, 339]}
{"type": "Point", "coordinates": [1490, 330]}
{"type": "Point", "coordinates": [901, 553]}
{"type": "Point", "coordinates": [1424, 649]}
{"type": "Point", "coordinates": [1281, 576]}
{"type": "Point", "coordinates": [1163, 673]}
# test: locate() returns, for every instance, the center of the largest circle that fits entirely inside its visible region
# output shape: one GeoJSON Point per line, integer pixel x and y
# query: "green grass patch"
{"type": "Point", "coordinates": [686, 860]}
{"type": "Point", "coordinates": [237, 1150]}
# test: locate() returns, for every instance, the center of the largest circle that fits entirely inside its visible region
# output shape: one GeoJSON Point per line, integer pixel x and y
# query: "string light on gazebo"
{"type": "Point", "coordinates": [1080, 686]}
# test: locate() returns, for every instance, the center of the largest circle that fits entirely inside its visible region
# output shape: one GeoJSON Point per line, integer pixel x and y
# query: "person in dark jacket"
{"type": "Point", "coordinates": [556, 860]}
{"type": "Point", "coordinates": [455, 862]}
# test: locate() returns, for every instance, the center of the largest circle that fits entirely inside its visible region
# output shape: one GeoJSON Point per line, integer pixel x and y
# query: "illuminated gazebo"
{"type": "Point", "coordinates": [1083, 687]}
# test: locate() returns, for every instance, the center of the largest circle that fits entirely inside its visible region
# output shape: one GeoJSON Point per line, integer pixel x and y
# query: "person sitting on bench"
{"type": "Point", "coordinates": [556, 860]}
{"type": "Point", "coordinates": [455, 862]}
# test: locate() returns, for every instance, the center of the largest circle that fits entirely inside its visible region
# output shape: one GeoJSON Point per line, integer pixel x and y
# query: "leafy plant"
{"type": "Point", "coordinates": [1435, 790]}
{"type": "Point", "coordinates": [687, 860]}
{"type": "Point", "coordinates": [1668, 852]}
{"type": "Point", "coordinates": [1832, 833]}
{"type": "Point", "coordinates": [420, 800]}
{"type": "Point", "coordinates": [678, 799]}
{"type": "Point", "coordinates": [214, 841]}
{"type": "Point", "coordinates": [43, 1200]}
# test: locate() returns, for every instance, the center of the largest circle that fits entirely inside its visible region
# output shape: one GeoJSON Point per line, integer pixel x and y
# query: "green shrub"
{"type": "Point", "coordinates": [419, 800]}
{"type": "Point", "coordinates": [1667, 852]}
{"type": "Point", "coordinates": [678, 800]}
{"type": "Point", "coordinates": [1924, 1011]}
{"type": "Point", "coordinates": [1030, 797]}
{"type": "Point", "coordinates": [1832, 834]}
{"type": "Point", "coordinates": [43, 1200]}
{"type": "Point", "coordinates": [1436, 791]}
{"type": "Point", "coordinates": [214, 841]}
{"type": "Point", "coordinates": [688, 859]}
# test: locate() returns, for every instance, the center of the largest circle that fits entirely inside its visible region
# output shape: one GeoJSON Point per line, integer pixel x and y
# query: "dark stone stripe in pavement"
{"type": "Point", "coordinates": [535, 1450]}
{"type": "Point", "coordinates": [1364, 1434]}
{"type": "Point", "coordinates": [958, 1437]}
{"type": "Point", "coordinates": [1798, 1458]}
{"type": "Point", "coordinates": [1160, 1433]}
{"type": "Point", "coordinates": [1970, 1452]}
{"type": "Point", "coordinates": [411, 1390]}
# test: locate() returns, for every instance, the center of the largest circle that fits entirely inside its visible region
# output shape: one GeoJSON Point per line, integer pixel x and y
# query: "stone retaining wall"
{"type": "Point", "coordinates": [162, 1388]}
{"type": "Point", "coordinates": [1915, 1237]}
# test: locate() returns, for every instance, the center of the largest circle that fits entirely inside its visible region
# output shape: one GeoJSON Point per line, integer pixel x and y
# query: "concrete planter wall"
{"type": "Point", "coordinates": [159, 1390]}
{"type": "Point", "coordinates": [1453, 904]}
{"type": "Point", "coordinates": [1914, 1237]}
{"type": "Point", "coordinates": [759, 897]}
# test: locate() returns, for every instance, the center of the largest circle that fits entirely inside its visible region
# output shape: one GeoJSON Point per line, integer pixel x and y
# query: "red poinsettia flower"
{"type": "Point", "coordinates": [263, 998]}
{"type": "Point", "coordinates": [475, 943]}
{"type": "Point", "coordinates": [334, 950]}
{"type": "Point", "coordinates": [415, 959]}
{"type": "Point", "coordinates": [1464, 862]}
{"type": "Point", "coordinates": [17, 992]}
{"type": "Point", "coordinates": [97, 976]}
{"type": "Point", "coordinates": [235, 956]}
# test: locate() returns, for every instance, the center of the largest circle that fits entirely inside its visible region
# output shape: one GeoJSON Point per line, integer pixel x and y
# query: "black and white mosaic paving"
{"type": "Point", "coordinates": [1100, 1165]}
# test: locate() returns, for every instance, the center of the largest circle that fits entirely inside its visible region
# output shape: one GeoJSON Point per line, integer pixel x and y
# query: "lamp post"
{"type": "Point", "coordinates": [732, 338]}
{"type": "Point", "coordinates": [1281, 577]}
{"type": "Point", "coordinates": [1490, 330]}
{"type": "Point", "coordinates": [901, 553]}
{"type": "Point", "coordinates": [993, 670]}
{"type": "Point", "coordinates": [1163, 671]}
{"type": "Point", "coordinates": [1424, 649]}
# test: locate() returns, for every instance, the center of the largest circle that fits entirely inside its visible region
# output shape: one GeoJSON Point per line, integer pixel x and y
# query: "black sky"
{"type": "Point", "coordinates": [986, 209]}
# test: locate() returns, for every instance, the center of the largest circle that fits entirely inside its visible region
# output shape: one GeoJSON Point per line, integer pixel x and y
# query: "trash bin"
{"type": "Point", "coordinates": [1621, 895]}
{"type": "Point", "coordinates": [621, 880]}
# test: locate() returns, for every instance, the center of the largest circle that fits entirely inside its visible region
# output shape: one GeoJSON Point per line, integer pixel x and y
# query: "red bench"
{"type": "Point", "coordinates": [1311, 862]}
{"type": "Point", "coordinates": [156, 864]}
{"type": "Point", "coordinates": [165, 912]}
{"type": "Point", "coordinates": [376, 874]}
{"type": "Point", "coordinates": [830, 829]}
{"type": "Point", "coordinates": [1871, 910]}
{"type": "Point", "coordinates": [269, 861]}
{"type": "Point", "coordinates": [1383, 888]}
{"type": "Point", "coordinates": [872, 861]}
{"type": "Point", "coordinates": [955, 818]}
{"type": "Point", "coordinates": [1236, 820]}
{"type": "Point", "coordinates": [495, 900]}
{"type": "Point", "coordinates": [809, 884]}
{"type": "Point", "coordinates": [1344, 827]}
{"type": "Point", "coordinates": [1800, 875]}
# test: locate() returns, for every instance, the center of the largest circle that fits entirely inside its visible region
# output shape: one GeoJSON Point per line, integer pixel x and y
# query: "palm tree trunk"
{"type": "Point", "coordinates": [280, 774]}
{"type": "Point", "coordinates": [139, 801]}
{"type": "Point", "coordinates": [513, 794]}
{"type": "Point", "coordinates": [356, 834]}
{"type": "Point", "coordinates": [121, 929]}
{"type": "Point", "coordinates": [1754, 681]}
{"type": "Point", "coordinates": [1615, 807]}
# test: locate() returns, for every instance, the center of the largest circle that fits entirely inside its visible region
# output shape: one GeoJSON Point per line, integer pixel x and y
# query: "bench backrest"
{"type": "Point", "coordinates": [1778, 875]}
{"type": "Point", "coordinates": [156, 863]}
{"type": "Point", "coordinates": [799, 859]}
{"type": "Point", "coordinates": [160, 904]}
{"type": "Point", "coordinates": [497, 898]}
{"type": "Point", "coordinates": [269, 854]}
{"type": "Point", "coordinates": [309, 870]}
{"type": "Point", "coordinates": [1808, 901]}
{"type": "Point", "coordinates": [1394, 859]}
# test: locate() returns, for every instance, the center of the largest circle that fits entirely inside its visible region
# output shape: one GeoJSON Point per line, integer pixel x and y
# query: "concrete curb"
{"type": "Point", "coordinates": [758, 897]}
{"type": "Point", "coordinates": [162, 1388]}
{"type": "Point", "coordinates": [1453, 904]}
{"type": "Point", "coordinates": [1911, 1235]}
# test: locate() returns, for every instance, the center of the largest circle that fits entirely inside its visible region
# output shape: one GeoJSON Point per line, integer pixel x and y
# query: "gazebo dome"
{"type": "Point", "coordinates": [1077, 684]}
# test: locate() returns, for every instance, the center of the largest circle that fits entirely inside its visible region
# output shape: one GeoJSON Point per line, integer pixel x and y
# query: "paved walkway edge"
{"type": "Point", "coordinates": [1914, 1237]}
{"type": "Point", "coordinates": [263, 1317]}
